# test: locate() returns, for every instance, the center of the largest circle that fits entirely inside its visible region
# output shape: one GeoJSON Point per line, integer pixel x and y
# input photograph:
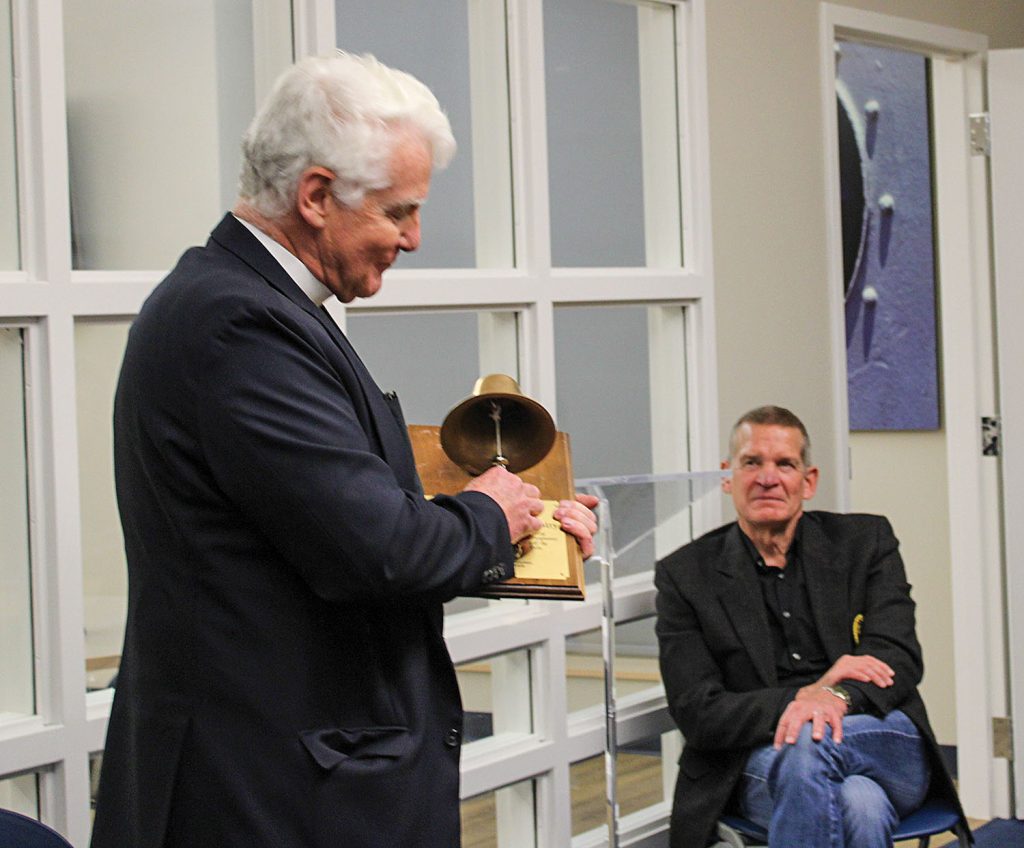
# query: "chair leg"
{"type": "Point", "coordinates": [963, 836]}
{"type": "Point", "coordinates": [923, 841]}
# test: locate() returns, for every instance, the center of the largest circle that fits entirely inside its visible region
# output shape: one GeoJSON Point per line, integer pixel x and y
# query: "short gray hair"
{"type": "Point", "coordinates": [341, 112]}
{"type": "Point", "coordinates": [778, 416]}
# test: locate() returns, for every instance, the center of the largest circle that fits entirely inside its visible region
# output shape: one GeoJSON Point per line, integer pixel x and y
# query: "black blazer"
{"type": "Point", "coordinates": [716, 655]}
{"type": "Point", "coordinates": [284, 681]}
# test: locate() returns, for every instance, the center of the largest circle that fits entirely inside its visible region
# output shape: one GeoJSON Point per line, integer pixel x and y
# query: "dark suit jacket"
{"type": "Point", "coordinates": [284, 681]}
{"type": "Point", "coordinates": [716, 656]}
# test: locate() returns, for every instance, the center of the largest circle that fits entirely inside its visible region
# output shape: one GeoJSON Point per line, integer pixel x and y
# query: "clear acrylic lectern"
{"type": "Point", "coordinates": [642, 518]}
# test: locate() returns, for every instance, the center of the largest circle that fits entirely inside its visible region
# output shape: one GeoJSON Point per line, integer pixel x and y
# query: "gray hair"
{"type": "Point", "coordinates": [341, 112]}
{"type": "Point", "coordinates": [778, 416]}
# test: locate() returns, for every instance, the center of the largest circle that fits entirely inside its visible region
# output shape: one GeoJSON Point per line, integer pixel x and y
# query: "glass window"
{"type": "Point", "coordinates": [95, 767]}
{"type": "Point", "coordinates": [458, 49]}
{"type": "Point", "coordinates": [638, 784]}
{"type": "Point", "coordinates": [157, 103]}
{"type": "Point", "coordinates": [612, 126]}
{"type": "Point", "coordinates": [606, 403]}
{"type": "Point", "coordinates": [99, 348]}
{"type": "Point", "coordinates": [489, 814]}
{"type": "Point", "coordinates": [636, 663]}
{"type": "Point", "coordinates": [17, 695]}
{"type": "Point", "coordinates": [21, 794]}
{"type": "Point", "coordinates": [625, 408]}
{"type": "Point", "coordinates": [432, 359]}
{"type": "Point", "coordinates": [10, 255]}
{"type": "Point", "coordinates": [495, 695]}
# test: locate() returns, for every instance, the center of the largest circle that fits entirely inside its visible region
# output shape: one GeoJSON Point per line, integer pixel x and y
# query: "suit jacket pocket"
{"type": "Point", "coordinates": [333, 746]}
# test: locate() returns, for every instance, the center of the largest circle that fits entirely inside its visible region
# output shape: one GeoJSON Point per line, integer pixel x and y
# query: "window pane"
{"type": "Point", "coordinates": [605, 350]}
{"type": "Point", "coordinates": [458, 50]}
{"type": "Point", "coordinates": [95, 767]}
{"type": "Point", "coordinates": [432, 359]}
{"type": "Point", "coordinates": [10, 257]}
{"type": "Point", "coordinates": [638, 784]}
{"type": "Point", "coordinates": [636, 663]}
{"type": "Point", "coordinates": [17, 694]}
{"type": "Point", "coordinates": [612, 128]}
{"type": "Point", "coordinates": [499, 818]}
{"type": "Point", "coordinates": [496, 695]}
{"type": "Point", "coordinates": [21, 794]}
{"type": "Point", "coordinates": [99, 347]}
{"type": "Point", "coordinates": [158, 99]}
{"type": "Point", "coordinates": [620, 425]}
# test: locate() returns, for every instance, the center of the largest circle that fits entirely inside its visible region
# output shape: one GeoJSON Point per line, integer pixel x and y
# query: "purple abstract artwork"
{"type": "Point", "coordinates": [889, 264]}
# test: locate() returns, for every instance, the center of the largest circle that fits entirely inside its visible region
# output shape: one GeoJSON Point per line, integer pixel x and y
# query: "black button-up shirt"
{"type": "Point", "coordinates": [799, 654]}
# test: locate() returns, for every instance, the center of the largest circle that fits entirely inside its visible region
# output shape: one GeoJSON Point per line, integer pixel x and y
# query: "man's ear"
{"type": "Point", "coordinates": [810, 482]}
{"type": "Point", "coordinates": [726, 481]}
{"type": "Point", "coordinates": [313, 196]}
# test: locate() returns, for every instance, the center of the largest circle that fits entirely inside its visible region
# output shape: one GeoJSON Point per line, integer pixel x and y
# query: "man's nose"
{"type": "Point", "coordinates": [409, 238]}
{"type": "Point", "coordinates": [768, 475]}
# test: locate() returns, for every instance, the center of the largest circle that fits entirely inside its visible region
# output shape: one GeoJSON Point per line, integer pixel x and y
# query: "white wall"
{"type": "Point", "coordinates": [903, 476]}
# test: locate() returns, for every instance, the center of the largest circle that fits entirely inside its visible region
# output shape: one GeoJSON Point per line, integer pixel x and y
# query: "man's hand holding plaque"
{"type": "Point", "coordinates": [498, 440]}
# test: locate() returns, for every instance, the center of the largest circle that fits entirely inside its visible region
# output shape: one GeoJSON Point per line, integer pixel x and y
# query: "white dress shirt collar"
{"type": "Point", "coordinates": [310, 285]}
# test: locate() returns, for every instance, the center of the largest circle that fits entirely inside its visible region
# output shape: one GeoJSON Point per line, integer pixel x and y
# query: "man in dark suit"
{"type": "Point", "coordinates": [284, 681]}
{"type": "Point", "coordinates": [791, 663]}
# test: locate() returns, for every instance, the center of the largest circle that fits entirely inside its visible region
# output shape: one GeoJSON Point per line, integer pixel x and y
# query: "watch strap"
{"type": "Point", "coordinates": [840, 693]}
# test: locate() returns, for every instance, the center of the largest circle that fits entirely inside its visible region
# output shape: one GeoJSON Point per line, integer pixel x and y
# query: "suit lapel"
{"type": "Point", "coordinates": [389, 434]}
{"type": "Point", "coordinates": [388, 421]}
{"type": "Point", "coordinates": [740, 595]}
{"type": "Point", "coordinates": [827, 588]}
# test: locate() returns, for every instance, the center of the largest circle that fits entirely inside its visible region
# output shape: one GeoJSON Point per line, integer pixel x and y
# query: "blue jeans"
{"type": "Point", "coordinates": [852, 795]}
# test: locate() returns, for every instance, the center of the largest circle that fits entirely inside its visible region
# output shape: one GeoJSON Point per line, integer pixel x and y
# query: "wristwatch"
{"type": "Point", "coordinates": [839, 692]}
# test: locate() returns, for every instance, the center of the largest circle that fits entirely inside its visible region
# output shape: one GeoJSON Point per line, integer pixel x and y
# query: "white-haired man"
{"type": "Point", "coordinates": [791, 662]}
{"type": "Point", "coordinates": [284, 681]}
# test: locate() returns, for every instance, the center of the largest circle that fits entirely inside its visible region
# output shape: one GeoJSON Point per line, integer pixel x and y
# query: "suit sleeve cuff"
{"type": "Point", "coordinates": [859, 702]}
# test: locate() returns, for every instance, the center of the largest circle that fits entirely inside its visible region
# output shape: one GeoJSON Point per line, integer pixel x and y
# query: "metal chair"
{"type": "Point", "coordinates": [934, 816]}
{"type": "Point", "coordinates": [18, 831]}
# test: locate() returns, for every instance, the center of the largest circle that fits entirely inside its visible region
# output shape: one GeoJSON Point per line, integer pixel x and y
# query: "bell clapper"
{"type": "Point", "coordinates": [499, 457]}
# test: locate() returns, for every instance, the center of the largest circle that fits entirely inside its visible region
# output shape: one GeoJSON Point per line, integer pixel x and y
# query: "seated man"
{"type": "Point", "coordinates": [790, 661]}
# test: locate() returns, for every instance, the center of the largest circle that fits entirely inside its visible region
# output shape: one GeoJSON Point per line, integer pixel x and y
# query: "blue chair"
{"type": "Point", "coordinates": [18, 831]}
{"type": "Point", "coordinates": [933, 817]}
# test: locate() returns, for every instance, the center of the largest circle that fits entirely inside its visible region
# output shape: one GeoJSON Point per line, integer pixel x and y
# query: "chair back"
{"type": "Point", "coordinates": [18, 831]}
{"type": "Point", "coordinates": [934, 816]}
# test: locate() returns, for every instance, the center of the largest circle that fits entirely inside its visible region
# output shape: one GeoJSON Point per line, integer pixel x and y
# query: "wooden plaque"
{"type": "Point", "coordinates": [553, 568]}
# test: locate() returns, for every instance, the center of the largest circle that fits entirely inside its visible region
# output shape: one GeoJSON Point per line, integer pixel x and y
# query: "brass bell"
{"type": "Point", "coordinates": [497, 425]}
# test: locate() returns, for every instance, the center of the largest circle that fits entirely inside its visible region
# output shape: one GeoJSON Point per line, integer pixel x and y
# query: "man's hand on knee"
{"type": "Point", "coordinates": [811, 704]}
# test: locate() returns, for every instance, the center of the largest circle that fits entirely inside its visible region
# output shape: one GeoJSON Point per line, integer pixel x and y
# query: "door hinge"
{"type": "Point", "coordinates": [1002, 738]}
{"type": "Point", "coordinates": [991, 435]}
{"type": "Point", "coordinates": [981, 134]}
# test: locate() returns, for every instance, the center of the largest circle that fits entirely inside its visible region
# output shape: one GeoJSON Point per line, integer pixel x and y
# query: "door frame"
{"type": "Point", "coordinates": [1006, 106]}
{"type": "Point", "coordinates": [968, 371]}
